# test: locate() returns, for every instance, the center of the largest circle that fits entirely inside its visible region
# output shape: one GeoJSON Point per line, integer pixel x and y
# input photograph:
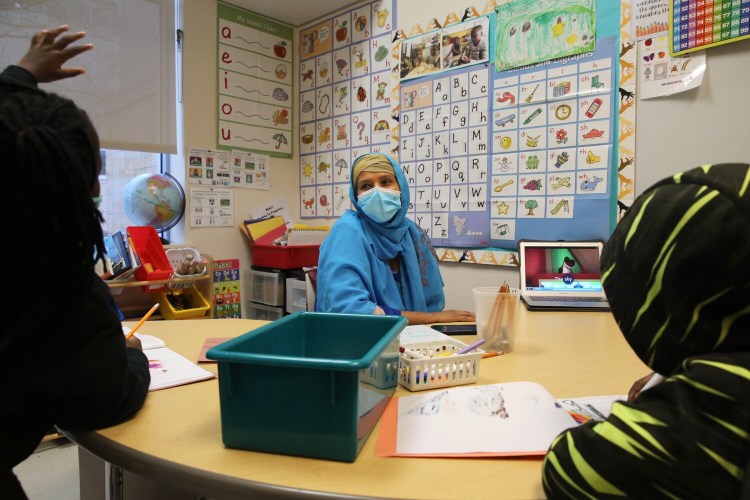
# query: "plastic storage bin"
{"type": "Point", "coordinates": [266, 287]}
{"type": "Point", "coordinates": [285, 257]}
{"type": "Point", "coordinates": [196, 304]}
{"type": "Point", "coordinates": [154, 262]}
{"type": "Point", "coordinates": [183, 256]}
{"type": "Point", "coordinates": [296, 295]}
{"type": "Point", "coordinates": [442, 368]}
{"type": "Point", "coordinates": [262, 311]}
{"type": "Point", "coordinates": [295, 386]}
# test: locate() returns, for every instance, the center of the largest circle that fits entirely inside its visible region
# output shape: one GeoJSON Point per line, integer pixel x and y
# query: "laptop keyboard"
{"type": "Point", "coordinates": [567, 298]}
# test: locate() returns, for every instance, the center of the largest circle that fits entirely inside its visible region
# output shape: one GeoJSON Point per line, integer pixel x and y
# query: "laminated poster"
{"type": "Point", "coordinates": [211, 207]}
{"type": "Point", "coordinates": [255, 85]}
{"type": "Point", "coordinates": [661, 74]}
{"type": "Point", "coordinates": [226, 283]}
{"type": "Point", "coordinates": [344, 101]}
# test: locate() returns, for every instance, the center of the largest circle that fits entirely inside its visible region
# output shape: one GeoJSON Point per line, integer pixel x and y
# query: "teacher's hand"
{"type": "Point", "coordinates": [48, 53]}
{"type": "Point", "coordinates": [455, 316]}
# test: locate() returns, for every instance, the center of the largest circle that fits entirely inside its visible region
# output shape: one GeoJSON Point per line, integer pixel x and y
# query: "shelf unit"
{"type": "Point", "coordinates": [134, 302]}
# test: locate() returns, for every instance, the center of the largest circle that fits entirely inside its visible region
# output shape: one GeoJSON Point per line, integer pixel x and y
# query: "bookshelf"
{"type": "Point", "coordinates": [134, 302]}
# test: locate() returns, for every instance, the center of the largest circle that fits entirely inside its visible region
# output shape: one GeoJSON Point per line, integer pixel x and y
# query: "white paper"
{"type": "Point", "coordinates": [596, 408]}
{"type": "Point", "coordinates": [421, 333]}
{"type": "Point", "coordinates": [147, 341]}
{"type": "Point", "coordinates": [211, 207]}
{"type": "Point", "coordinates": [659, 74]}
{"type": "Point", "coordinates": [649, 18]}
{"type": "Point", "coordinates": [250, 170]}
{"type": "Point", "coordinates": [498, 418]}
{"type": "Point", "coordinates": [208, 167]}
{"type": "Point", "coordinates": [169, 369]}
{"type": "Point", "coordinates": [277, 208]}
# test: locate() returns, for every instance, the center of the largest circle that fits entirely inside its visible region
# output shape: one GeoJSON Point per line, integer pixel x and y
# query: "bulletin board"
{"type": "Point", "coordinates": [526, 152]}
{"type": "Point", "coordinates": [255, 89]}
{"type": "Point", "coordinates": [345, 101]}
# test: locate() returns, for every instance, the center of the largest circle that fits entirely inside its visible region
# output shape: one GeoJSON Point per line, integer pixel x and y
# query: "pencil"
{"type": "Point", "coordinates": [143, 320]}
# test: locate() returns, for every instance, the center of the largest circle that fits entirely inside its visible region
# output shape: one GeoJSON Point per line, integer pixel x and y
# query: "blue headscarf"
{"type": "Point", "coordinates": [353, 271]}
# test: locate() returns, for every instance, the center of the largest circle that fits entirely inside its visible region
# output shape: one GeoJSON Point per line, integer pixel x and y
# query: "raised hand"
{"type": "Point", "coordinates": [49, 51]}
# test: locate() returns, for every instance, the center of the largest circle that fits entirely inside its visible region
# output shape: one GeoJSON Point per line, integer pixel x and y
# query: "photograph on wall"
{"type": "Point", "coordinates": [529, 31]}
{"type": "Point", "coordinates": [420, 56]}
{"type": "Point", "coordinates": [460, 44]}
{"type": "Point", "coordinates": [466, 43]}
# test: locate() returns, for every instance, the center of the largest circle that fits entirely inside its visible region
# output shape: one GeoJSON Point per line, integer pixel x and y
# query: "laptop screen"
{"type": "Point", "coordinates": [561, 267]}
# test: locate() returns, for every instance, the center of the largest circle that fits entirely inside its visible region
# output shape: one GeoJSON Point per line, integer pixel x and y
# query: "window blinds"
{"type": "Point", "coordinates": [129, 86]}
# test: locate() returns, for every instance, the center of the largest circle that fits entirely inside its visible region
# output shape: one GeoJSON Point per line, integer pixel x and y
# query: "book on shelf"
{"type": "Point", "coordinates": [120, 259]}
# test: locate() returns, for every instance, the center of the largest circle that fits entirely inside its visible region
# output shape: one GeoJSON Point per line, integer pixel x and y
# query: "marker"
{"type": "Point", "coordinates": [412, 353]}
{"type": "Point", "coordinates": [491, 354]}
{"type": "Point", "coordinates": [471, 347]}
{"type": "Point", "coordinates": [532, 116]}
{"type": "Point", "coordinates": [143, 320]}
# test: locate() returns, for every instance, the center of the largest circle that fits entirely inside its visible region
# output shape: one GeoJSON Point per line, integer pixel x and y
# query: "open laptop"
{"type": "Point", "coordinates": [561, 275]}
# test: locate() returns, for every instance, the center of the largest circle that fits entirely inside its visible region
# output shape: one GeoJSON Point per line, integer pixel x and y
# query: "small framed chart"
{"type": "Point", "coordinates": [699, 24]}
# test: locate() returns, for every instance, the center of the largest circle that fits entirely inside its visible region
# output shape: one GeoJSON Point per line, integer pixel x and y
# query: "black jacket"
{"type": "Point", "coordinates": [63, 362]}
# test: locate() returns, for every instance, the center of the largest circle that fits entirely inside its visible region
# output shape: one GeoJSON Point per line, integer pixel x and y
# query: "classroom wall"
{"type": "Point", "coordinates": [705, 125]}
{"type": "Point", "coordinates": [199, 118]}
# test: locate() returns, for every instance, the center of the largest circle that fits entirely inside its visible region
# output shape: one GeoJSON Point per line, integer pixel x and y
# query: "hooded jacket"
{"type": "Point", "coordinates": [676, 272]}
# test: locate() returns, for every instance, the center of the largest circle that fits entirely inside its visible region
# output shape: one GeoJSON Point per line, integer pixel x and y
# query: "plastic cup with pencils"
{"type": "Point", "coordinates": [497, 315]}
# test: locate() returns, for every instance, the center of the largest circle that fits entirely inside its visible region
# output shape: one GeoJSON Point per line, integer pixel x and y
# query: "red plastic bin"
{"type": "Point", "coordinates": [284, 257]}
{"type": "Point", "coordinates": [155, 264]}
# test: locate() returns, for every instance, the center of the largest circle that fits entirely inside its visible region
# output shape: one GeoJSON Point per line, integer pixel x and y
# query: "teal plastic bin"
{"type": "Point", "coordinates": [302, 385]}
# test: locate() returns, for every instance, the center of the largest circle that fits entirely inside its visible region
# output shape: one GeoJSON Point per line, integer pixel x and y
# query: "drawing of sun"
{"type": "Point", "coordinates": [307, 170]}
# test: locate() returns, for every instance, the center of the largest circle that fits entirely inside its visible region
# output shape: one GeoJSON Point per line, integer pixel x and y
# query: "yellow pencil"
{"type": "Point", "coordinates": [143, 320]}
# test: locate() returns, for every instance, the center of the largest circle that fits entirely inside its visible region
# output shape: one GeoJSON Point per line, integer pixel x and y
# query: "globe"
{"type": "Point", "coordinates": [155, 200]}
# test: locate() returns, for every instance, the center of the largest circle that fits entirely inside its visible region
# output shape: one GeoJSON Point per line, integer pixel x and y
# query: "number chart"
{"type": "Point", "coordinates": [698, 24]}
{"type": "Point", "coordinates": [345, 102]}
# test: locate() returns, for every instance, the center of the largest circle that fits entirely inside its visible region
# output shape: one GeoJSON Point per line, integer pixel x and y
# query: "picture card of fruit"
{"type": "Point", "coordinates": [255, 84]}
{"type": "Point", "coordinates": [346, 103]}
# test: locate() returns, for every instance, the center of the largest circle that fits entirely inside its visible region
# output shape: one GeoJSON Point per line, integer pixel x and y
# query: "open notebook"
{"type": "Point", "coordinates": [561, 275]}
{"type": "Point", "coordinates": [167, 368]}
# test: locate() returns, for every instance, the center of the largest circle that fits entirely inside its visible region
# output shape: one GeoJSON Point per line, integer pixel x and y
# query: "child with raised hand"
{"type": "Point", "coordinates": [64, 360]}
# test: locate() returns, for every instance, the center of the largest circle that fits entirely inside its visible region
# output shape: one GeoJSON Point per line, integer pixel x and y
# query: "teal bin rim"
{"type": "Point", "coordinates": [223, 352]}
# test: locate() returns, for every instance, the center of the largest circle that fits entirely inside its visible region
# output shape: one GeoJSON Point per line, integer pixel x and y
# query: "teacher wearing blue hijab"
{"type": "Point", "coordinates": [375, 260]}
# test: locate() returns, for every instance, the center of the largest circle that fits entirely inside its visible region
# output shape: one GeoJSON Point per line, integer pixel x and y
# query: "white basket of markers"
{"type": "Point", "coordinates": [435, 364]}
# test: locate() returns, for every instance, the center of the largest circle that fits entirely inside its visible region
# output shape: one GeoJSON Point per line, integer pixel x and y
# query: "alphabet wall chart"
{"type": "Point", "coordinates": [254, 83]}
{"type": "Point", "coordinates": [345, 101]}
{"type": "Point", "coordinates": [527, 152]}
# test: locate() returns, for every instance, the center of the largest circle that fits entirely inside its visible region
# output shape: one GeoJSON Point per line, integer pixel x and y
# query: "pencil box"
{"type": "Point", "coordinates": [442, 367]}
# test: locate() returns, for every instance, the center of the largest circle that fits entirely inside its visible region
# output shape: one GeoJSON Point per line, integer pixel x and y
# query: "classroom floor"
{"type": "Point", "coordinates": [51, 473]}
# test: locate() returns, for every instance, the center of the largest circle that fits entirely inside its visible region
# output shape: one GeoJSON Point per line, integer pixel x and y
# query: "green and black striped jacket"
{"type": "Point", "coordinates": [677, 274]}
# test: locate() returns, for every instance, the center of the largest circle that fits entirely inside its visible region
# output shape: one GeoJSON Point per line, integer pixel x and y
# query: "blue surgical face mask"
{"type": "Point", "coordinates": [380, 204]}
{"type": "Point", "coordinates": [97, 200]}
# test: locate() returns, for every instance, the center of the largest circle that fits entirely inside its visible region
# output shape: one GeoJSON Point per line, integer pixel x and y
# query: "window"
{"type": "Point", "coordinates": [118, 168]}
{"type": "Point", "coordinates": [129, 86]}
